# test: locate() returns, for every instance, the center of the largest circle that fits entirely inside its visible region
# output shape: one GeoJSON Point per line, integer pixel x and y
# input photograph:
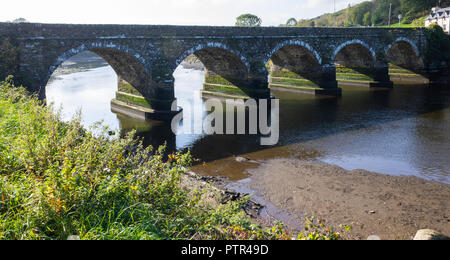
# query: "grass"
{"type": "Point", "coordinates": [126, 87]}
{"type": "Point", "coordinates": [60, 180]}
{"type": "Point", "coordinates": [218, 80]}
{"type": "Point", "coordinates": [293, 82]}
{"type": "Point", "coordinates": [132, 99]}
{"type": "Point", "coordinates": [396, 25]}
{"type": "Point", "coordinates": [226, 89]}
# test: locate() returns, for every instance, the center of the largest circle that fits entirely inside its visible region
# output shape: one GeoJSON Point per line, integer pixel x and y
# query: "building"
{"type": "Point", "coordinates": [440, 16]}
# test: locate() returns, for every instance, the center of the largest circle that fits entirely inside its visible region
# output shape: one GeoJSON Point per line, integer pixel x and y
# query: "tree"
{"type": "Point", "coordinates": [367, 20]}
{"type": "Point", "coordinates": [348, 18]}
{"type": "Point", "coordinates": [380, 11]}
{"type": "Point", "coordinates": [413, 9]}
{"type": "Point", "coordinates": [20, 20]}
{"type": "Point", "coordinates": [291, 22]}
{"type": "Point", "coordinates": [248, 20]}
{"type": "Point", "coordinates": [359, 11]}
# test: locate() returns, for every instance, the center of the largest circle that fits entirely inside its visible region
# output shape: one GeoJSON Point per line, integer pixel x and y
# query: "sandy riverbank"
{"type": "Point", "coordinates": [390, 207]}
{"type": "Point", "coordinates": [374, 204]}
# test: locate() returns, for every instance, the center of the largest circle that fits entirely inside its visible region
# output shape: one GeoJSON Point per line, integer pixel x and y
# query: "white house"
{"type": "Point", "coordinates": [440, 16]}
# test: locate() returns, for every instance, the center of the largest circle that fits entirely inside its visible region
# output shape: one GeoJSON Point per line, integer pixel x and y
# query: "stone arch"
{"type": "Point", "coordinates": [294, 43]}
{"type": "Point", "coordinates": [127, 64]}
{"type": "Point", "coordinates": [294, 64]}
{"type": "Point", "coordinates": [355, 63]}
{"type": "Point", "coordinates": [353, 42]}
{"type": "Point", "coordinates": [226, 70]}
{"type": "Point", "coordinates": [404, 54]}
{"type": "Point", "coordinates": [406, 40]}
{"type": "Point", "coordinates": [216, 45]}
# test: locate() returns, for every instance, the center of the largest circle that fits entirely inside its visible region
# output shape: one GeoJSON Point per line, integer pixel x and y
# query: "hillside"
{"type": "Point", "coordinates": [376, 12]}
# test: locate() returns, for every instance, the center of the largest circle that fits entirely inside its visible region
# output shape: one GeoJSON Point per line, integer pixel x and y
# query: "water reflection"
{"type": "Point", "coordinates": [400, 131]}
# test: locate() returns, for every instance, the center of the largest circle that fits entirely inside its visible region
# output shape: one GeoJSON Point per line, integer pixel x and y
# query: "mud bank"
{"type": "Point", "coordinates": [374, 204]}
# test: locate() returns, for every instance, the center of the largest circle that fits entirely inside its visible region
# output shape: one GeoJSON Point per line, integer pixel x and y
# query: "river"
{"type": "Point", "coordinates": [403, 131]}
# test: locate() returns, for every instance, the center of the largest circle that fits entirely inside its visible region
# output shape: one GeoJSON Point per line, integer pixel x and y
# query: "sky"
{"type": "Point", "coordinates": [174, 12]}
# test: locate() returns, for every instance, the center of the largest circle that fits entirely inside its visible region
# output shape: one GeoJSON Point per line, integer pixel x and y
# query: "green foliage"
{"type": "Point", "coordinates": [367, 20]}
{"type": "Point", "coordinates": [293, 82]}
{"type": "Point", "coordinates": [132, 99]}
{"type": "Point", "coordinates": [317, 229]}
{"type": "Point", "coordinates": [20, 20]}
{"type": "Point", "coordinates": [291, 22]}
{"type": "Point", "coordinates": [248, 20]}
{"type": "Point", "coordinates": [126, 87]}
{"type": "Point", "coordinates": [438, 47]}
{"type": "Point", "coordinates": [413, 9]}
{"type": "Point", "coordinates": [59, 181]}
{"type": "Point", "coordinates": [226, 89]}
{"type": "Point", "coordinates": [381, 11]}
{"type": "Point", "coordinates": [377, 12]}
{"type": "Point", "coordinates": [348, 17]}
{"type": "Point", "coordinates": [358, 13]}
{"type": "Point", "coordinates": [419, 22]}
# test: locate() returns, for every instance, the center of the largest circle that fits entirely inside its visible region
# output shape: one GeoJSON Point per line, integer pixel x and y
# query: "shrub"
{"type": "Point", "coordinates": [59, 181]}
{"type": "Point", "coordinates": [438, 47]}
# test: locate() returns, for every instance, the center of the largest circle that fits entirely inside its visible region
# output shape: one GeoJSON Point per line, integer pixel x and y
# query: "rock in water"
{"type": "Point", "coordinates": [241, 159]}
{"type": "Point", "coordinates": [73, 238]}
{"type": "Point", "coordinates": [428, 234]}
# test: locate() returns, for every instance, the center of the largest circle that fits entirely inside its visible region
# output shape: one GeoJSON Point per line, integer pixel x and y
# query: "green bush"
{"type": "Point", "coordinates": [132, 99]}
{"type": "Point", "coordinates": [438, 47]}
{"type": "Point", "coordinates": [419, 22]}
{"type": "Point", "coordinates": [59, 180]}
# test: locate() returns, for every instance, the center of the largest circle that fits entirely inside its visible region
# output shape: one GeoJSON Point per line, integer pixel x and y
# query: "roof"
{"type": "Point", "coordinates": [439, 14]}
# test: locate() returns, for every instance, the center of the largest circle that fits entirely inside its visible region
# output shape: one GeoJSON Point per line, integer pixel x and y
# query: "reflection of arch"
{"type": "Point", "coordinates": [353, 42]}
{"type": "Point", "coordinates": [127, 64]}
{"type": "Point", "coordinates": [208, 45]}
{"type": "Point", "coordinates": [403, 39]}
{"type": "Point", "coordinates": [294, 42]}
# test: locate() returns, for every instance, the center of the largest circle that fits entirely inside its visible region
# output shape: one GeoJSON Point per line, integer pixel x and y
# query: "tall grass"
{"type": "Point", "coordinates": [59, 180]}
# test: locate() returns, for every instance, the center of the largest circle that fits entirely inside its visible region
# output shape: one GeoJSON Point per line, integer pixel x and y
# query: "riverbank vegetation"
{"type": "Point", "coordinates": [59, 180]}
{"type": "Point", "coordinates": [376, 13]}
{"type": "Point", "coordinates": [438, 47]}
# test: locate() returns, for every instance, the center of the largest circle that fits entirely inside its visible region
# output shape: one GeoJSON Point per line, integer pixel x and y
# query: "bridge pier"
{"type": "Point", "coordinates": [158, 104]}
{"type": "Point", "coordinates": [381, 77]}
{"type": "Point", "coordinates": [373, 76]}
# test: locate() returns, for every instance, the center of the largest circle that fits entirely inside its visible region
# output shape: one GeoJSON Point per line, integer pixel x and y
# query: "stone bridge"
{"type": "Point", "coordinates": [237, 60]}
